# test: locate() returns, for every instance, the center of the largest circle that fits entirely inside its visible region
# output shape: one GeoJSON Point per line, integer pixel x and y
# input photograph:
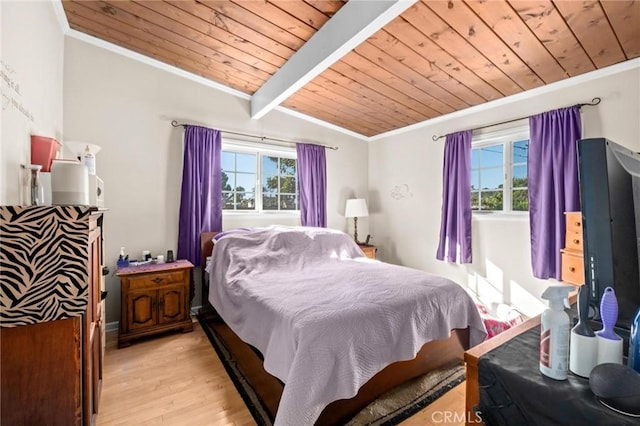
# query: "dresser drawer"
{"type": "Point", "coordinates": [572, 268]}
{"type": "Point", "coordinates": [574, 221]}
{"type": "Point", "coordinates": [573, 241]}
{"type": "Point", "coordinates": [153, 280]}
{"type": "Point", "coordinates": [573, 235]}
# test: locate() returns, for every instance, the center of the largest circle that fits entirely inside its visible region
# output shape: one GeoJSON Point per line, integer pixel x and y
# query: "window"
{"type": "Point", "coordinates": [258, 179]}
{"type": "Point", "coordinates": [499, 171]}
{"type": "Point", "coordinates": [279, 183]}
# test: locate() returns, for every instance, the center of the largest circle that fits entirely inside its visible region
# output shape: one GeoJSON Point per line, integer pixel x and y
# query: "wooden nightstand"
{"type": "Point", "coordinates": [369, 251]}
{"type": "Point", "coordinates": [155, 298]}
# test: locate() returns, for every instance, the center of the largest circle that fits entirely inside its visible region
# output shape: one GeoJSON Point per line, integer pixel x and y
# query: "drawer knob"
{"type": "Point", "coordinates": [577, 224]}
{"type": "Point", "coordinates": [576, 241]}
{"type": "Point", "coordinates": [157, 280]}
{"type": "Point", "coordinates": [572, 269]}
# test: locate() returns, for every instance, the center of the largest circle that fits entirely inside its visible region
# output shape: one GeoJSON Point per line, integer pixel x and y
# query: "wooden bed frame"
{"type": "Point", "coordinates": [433, 355]}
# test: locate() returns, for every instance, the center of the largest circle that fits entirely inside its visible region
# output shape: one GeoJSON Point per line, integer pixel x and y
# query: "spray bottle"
{"type": "Point", "coordinates": [554, 334]}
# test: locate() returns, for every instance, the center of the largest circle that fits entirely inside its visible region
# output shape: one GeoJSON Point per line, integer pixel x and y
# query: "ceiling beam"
{"type": "Point", "coordinates": [350, 26]}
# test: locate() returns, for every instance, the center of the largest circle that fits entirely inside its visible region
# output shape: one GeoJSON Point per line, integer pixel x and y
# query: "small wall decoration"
{"type": "Point", "coordinates": [401, 191]}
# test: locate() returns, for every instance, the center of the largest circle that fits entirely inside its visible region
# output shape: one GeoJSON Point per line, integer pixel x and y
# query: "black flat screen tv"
{"type": "Point", "coordinates": [610, 202]}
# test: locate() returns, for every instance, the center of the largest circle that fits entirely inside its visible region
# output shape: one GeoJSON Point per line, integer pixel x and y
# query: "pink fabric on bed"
{"type": "Point", "coordinates": [496, 325]}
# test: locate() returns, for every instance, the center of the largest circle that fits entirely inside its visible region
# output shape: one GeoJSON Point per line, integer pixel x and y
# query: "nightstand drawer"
{"type": "Point", "coordinates": [572, 268]}
{"type": "Point", "coordinates": [369, 251]}
{"type": "Point", "coordinates": [154, 280]}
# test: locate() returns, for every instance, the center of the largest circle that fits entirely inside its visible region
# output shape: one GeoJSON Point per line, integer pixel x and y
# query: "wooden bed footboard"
{"type": "Point", "coordinates": [433, 355]}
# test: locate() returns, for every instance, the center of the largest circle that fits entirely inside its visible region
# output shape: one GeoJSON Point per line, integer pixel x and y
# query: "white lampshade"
{"type": "Point", "coordinates": [356, 207]}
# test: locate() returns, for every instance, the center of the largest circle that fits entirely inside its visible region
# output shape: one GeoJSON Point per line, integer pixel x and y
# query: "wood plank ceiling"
{"type": "Point", "coordinates": [435, 58]}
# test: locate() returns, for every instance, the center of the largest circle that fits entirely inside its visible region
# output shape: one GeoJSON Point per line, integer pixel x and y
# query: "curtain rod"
{"type": "Point", "coordinates": [594, 102]}
{"type": "Point", "coordinates": [174, 123]}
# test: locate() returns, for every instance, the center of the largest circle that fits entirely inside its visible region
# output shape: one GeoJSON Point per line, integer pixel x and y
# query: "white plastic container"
{"type": "Point", "coordinates": [69, 183]}
{"type": "Point", "coordinates": [554, 334]}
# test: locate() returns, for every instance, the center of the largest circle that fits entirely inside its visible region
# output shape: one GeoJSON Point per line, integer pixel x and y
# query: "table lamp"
{"type": "Point", "coordinates": [356, 207]}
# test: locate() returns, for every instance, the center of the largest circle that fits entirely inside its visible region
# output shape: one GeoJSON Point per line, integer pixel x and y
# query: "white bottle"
{"type": "Point", "coordinates": [89, 160]}
{"type": "Point", "coordinates": [554, 334]}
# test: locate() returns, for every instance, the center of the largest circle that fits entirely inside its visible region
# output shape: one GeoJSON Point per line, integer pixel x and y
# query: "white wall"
{"type": "Point", "coordinates": [407, 228]}
{"type": "Point", "coordinates": [31, 73]}
{"type": "Point", "coordinates": [126, 107]}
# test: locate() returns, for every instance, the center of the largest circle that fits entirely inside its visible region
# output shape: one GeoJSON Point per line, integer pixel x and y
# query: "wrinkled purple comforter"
{"type": "Point", "coordinates": [325, 318]}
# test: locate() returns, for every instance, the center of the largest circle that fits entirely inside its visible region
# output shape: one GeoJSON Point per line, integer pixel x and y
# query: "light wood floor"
{"type": "Point", "coordinates": [177, 379]}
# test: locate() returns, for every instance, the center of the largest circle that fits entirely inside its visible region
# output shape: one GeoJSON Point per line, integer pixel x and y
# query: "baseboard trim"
{"type": "Point", "coordinates": [195, 310]}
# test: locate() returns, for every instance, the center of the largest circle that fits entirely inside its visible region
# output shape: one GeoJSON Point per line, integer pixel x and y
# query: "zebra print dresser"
{"type": "Point", "coordinates": [51, 315]}
{"type": "Point", "coordinates": [44, 263]}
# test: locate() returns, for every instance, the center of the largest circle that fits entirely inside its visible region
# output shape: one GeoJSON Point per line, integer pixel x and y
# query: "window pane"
{"type": "Point", "coordinates": [475, 158]}
{"type": "Point", "coordinates": [288, 202]}
{"type": "Point", "coordinates": [288, 184]}
{"type": "Point", "coordinates": [269, 166]}
{"type": "Point", "coordinates": [246, 201]}
{"type": "Point", "coordinates": [269, 202]}
{"type": "Point", "coordinates": [288, 166]}
{"type": "Point", "coordinates": [227, 200]}
{"type": "Point", "coordinates": [519, 176]}
{"type": "Point", "coordinates": [491, 156]}
{"type": "Point", "coordinates": [474, 201]}
{"type": "Point", "coordinates": [246, 163]}
{"type": "Point", "coordinates": [491, 200]}
{"type": "Point", "coordinates": [475, 179]}
{"type": "Point", "coordinates": [228, 161]}
{"type": "Point", "coordinates": [226, 186]}
{"type": "Point", "coordinates": [228, 181]}
{"type": "Point", "coordinates": [491, 178]}
{"type": "Point", "coordinates": [520, 200]}
{"type": "Point", "coordinates": [520, 151]}
{"type": "Point", "coordinates": [245, 182]}
{"type": "Point", "coordinates": [270, 184]}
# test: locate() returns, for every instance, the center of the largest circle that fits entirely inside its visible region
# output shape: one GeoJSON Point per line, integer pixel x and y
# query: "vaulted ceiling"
{"type": "Point", "coordinates": [434, 58]}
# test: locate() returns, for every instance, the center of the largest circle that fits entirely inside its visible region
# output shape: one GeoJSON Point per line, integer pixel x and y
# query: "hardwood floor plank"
{"type": "Point", "coordinates": [174, 379]}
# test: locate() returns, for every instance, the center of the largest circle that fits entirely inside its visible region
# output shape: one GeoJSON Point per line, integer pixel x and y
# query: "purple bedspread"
{"type": "Point", "coordinates": [326, 318]}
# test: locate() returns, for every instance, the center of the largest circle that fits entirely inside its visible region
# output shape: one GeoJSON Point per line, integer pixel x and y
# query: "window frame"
{"type": "Point", "coordinates": [505, 137]}
{"type": "Point", "coordinates": [261, 150]}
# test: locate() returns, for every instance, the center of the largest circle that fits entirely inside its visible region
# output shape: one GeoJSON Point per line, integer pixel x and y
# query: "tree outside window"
{"type": "Point", "coordinates": [279, 183]}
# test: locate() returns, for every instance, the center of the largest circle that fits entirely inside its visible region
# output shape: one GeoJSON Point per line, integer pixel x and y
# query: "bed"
{"type": "Point", "coordinates": [332, 328]}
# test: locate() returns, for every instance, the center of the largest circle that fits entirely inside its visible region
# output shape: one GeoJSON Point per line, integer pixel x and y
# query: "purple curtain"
{"type": "Point", "coordinates": [201, 198]}
{"type": "Point", "coordinates": [553, 184]}
{"type": "Point", "coordinates": [312, 184]}
{"type": "Point", "coordinates": [455, 224]}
